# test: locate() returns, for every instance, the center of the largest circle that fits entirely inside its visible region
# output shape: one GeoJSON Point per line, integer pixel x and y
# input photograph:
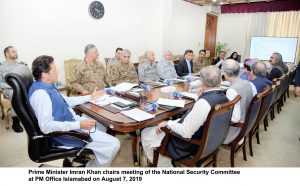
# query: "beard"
{"type": "Point", "coordinates": [15, 57]}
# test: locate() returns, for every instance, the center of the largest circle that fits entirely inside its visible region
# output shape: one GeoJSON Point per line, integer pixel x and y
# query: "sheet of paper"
{"type": "Point", "coordinates": [171, 102]}
{"type": "Point", "coordinates": [103, 100]}
{"type": "Point", "coordinates": [106, 99]}
{"type": "Point", "coordinates": [120, 108]}
{"type": "Point", "coordinates": [179, 80]}
{"type": "Point", "coordinates": [123, 87]}
{"type": "Point", "coordinates": [190, 95]}
{"type": "Point", "coordinates": [137, 89]}
{"type": "Point", "coordinates": [137, 114]}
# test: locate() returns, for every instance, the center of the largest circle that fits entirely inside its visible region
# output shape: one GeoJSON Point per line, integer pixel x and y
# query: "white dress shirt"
{"type": "Point", "coordinates": [236, 114]}
{"type": "Point", "coordinates": [189, 65]}
{"type": "Point", "coordinates": [193, 121]}
{"type": "Point", "coordinates": [42, 106]}
{"type": "Point", "coordinates": [254, 90]}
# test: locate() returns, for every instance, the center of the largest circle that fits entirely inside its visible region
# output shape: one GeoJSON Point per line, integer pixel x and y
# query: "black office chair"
{"type": "Point", "coordinates": [39, 146]}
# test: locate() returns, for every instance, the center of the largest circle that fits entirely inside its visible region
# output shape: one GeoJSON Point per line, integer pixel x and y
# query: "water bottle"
{"type": "Point", "coordinates": [151, 107]}
{"type": "Point", "coordinates": [168, 82]}
{"type": "Point", "coordinates": [175, 95]}
{"type": "Point", "coordinates": [109, 91]}
{"type": "Point", "coordinates": [143, 101]}
{"type": "Point", "coordinates": [189, 79]}
{"type": "Point", "coordinates": [146, 88]}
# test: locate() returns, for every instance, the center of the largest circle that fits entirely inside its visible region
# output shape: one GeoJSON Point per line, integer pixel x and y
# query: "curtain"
{"type": "Point", "coordinates": [254, 26]}
{"type": "Point", "coordinates": [271, 6]}
{"type": "Point", "coordinates": [237, 29]}
{"type": "Point", "coordinates": [285, 24]}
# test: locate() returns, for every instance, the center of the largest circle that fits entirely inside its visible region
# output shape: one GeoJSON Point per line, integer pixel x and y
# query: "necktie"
{"type": "Point", "coordinates": [189, 66]}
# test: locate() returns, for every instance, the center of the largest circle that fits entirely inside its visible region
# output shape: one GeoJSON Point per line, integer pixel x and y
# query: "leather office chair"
{"type": "Point", "coordinates": [239, 131]}
{"type": "Point", "coordinates": [39, 146]}
{"type": "Point", "coordinates": [5, 105]}
{"type": "Point", "coordinates": [215, 129]}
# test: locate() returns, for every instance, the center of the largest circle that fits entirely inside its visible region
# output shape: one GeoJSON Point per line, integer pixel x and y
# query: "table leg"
{"type": "Point", "coordinates": [134, 148]}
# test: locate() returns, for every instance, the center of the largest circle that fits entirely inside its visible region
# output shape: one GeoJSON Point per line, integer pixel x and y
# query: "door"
{"type": "Point", "coordinates": [211, 33]}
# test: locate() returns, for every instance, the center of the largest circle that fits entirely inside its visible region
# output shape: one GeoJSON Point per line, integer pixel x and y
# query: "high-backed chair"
{"type": "Point", "coordinates": [238, 132]}
{"type": "Point", "coordinates": [178, 58]}
{"type": "Point", "coordinates": [265, 105]}
{"type": "Point", "coordinates": [269, 99]}
{"type": "Point", "coordinates": [39, 146]}
{"type": "Point", "coordinates": [106, 61]}
{"type": "Point", "coordinates": [215, 130]}
{"type": "Point", "coordinates": [278, 101]}
{"type": "Point", "coordinates": [141, 58]}
{"type": "Point", "coordinates": [5, 105]}
{"type": "Point", "coordinates": [276, 89]}
{"type": "Point", "coordinates": [69, 67]}
{"type": "Point", "coordinates": [291, 77]}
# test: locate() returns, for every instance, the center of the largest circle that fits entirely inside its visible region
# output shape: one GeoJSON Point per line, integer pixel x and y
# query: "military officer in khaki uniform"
{"type": "Point", "coordinates": [148, 68]}
{"type": "Point", "coordinates": [90, 74]}
{"type": "Point", "coordinates": [123, 70]}
{"type": "Point", "coordinates": [200, 62]}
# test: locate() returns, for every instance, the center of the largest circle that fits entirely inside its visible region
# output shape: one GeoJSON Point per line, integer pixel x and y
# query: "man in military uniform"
{"type": "Point", "coordinates": [148, 68]}
{"type": "Point", "coordinates": [90, 74]}
{"type": "Point", "coordinates": [10, 63]}
{"type": "Point", "coordinates": [200, 62]}
{"type": "Point", "coordinates": [123, 70]}
{"type": "Point", "coordinates": [116, 58]}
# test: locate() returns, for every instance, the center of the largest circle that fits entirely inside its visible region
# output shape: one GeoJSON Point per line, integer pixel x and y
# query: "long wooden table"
{"type": "Point", "coordinates": [121, 123]}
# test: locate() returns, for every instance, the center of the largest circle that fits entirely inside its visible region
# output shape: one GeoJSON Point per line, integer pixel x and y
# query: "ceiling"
{"type": "Point", "coordinates": [222, 2]}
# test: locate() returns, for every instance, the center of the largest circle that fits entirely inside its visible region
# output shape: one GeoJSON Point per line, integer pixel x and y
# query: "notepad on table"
{"type": "Point", "coordinates": [106, 100]}
{"type": "Point", "coordinates": [171, 102]}
{"type": "Point", "coordinates": [124, 87]}
{"type": "Point", "coordinates": [137, 114]}
{"type": "Point", "coordinates": [190, 95]}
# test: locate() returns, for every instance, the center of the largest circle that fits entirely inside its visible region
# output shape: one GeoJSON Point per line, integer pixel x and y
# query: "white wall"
{"type": "Point", "coordinates": [232, 31]}
{"type": "Point", "coordinates": [62, 28]}
{"type": "Point", "coordinates": [186, 27]}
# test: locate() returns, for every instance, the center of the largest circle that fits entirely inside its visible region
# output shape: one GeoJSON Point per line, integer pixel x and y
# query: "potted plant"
{"type": "Point", "coordinates": [221, 47]}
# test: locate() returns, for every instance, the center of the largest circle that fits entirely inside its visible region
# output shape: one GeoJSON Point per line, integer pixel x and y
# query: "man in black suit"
{"type": "Point", "coordinates": [220, 59]}
{"type": "Point", "coordinates": [185, 67]}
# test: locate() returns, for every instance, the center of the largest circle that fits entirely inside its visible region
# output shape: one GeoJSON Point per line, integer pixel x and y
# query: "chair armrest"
{"type": "Point", "coordinates": [162, 148]}
{"type": "Point", "coordinates": [76, 135]}
{"type": "Point", "coordinates": [239, 125]}
{"type": "Point", "coordinates": [1, 94]}
{"type": "Point", "coordinates": [192, 141]}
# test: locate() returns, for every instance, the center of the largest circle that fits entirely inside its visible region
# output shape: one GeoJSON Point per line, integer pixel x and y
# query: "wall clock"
{"type": "Point", "coordinates": [96, 9]}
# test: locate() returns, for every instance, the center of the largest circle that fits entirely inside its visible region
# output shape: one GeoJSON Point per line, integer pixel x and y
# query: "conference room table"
{"type": "Point", "coordinates": [121, 123]}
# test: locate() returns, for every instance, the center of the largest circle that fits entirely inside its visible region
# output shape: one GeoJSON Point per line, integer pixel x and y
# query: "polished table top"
{"type": "Point", "coordinates": [121, 123]}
